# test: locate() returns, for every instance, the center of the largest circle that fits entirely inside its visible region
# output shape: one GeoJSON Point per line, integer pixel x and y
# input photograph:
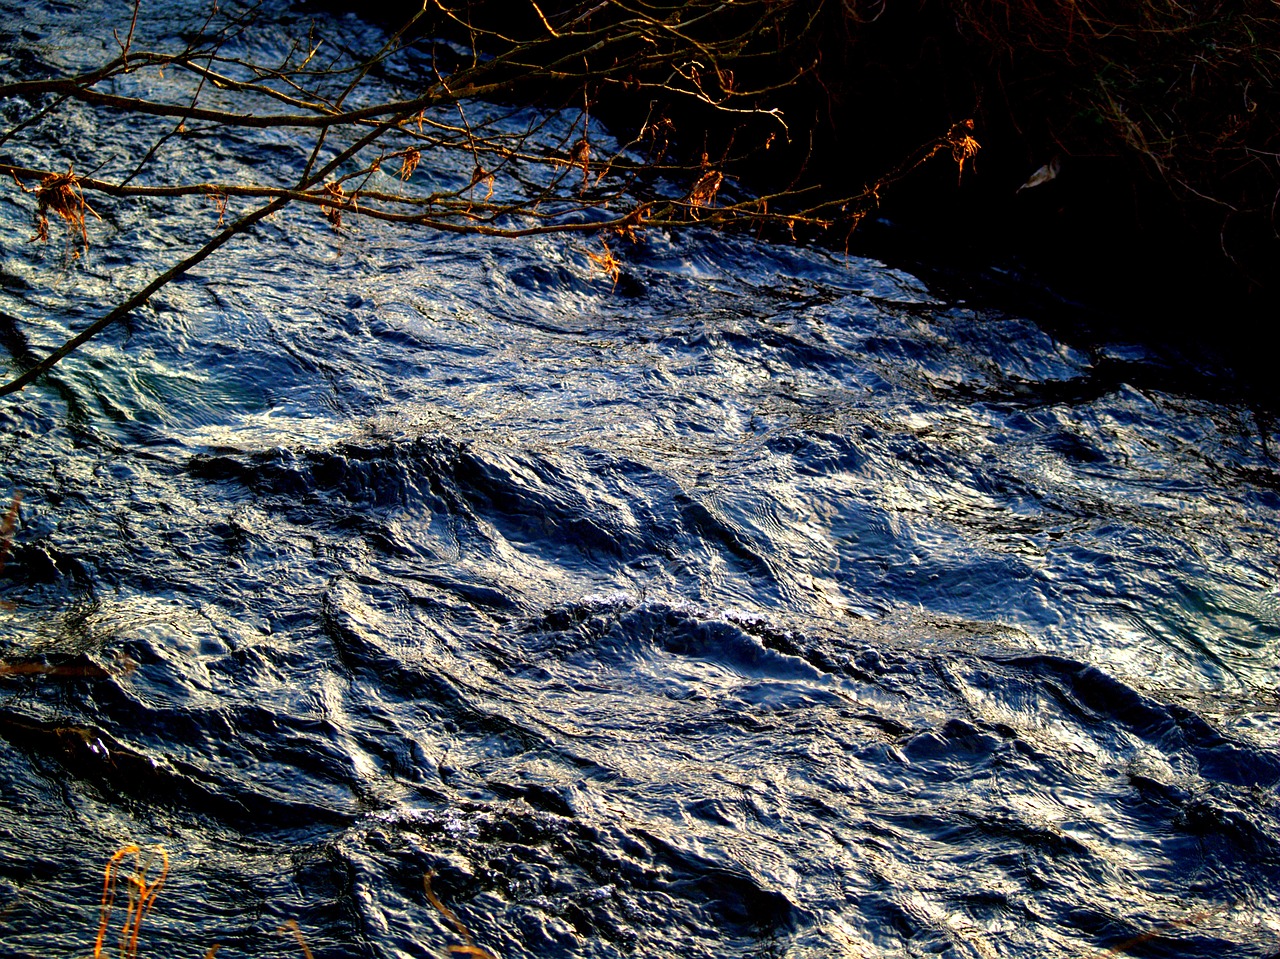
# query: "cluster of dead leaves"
{"type": "Point", "coordinates": [60, 194]}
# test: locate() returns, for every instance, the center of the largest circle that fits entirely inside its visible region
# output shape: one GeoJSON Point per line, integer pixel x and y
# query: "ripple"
{"type": "Point", "coordinates": [771, 605]}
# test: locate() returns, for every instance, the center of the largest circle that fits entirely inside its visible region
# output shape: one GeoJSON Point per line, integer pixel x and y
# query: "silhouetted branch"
{"type": "Point", "coordinates": [542, 176]}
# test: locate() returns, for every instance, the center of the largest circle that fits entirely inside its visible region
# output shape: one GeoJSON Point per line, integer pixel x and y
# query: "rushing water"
{"type": "Point", "coordinates": [769, 604]}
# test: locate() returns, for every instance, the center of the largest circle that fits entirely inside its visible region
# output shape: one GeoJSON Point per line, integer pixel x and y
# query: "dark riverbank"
{"type": "Point", "coordinates": [1149, 128]}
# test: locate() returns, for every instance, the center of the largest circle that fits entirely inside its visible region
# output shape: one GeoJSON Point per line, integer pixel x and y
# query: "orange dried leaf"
{"type": "Point", "coordinates": [220, 203]}
{"type": "Point", "coordinates": [963, 146]}
{"type": "Point", "coordinates": [332, 208]}
{"type": "Point", "coordinates": [606, 262]}
{"type": "Point", "coordinates": [481, 175]}
{"type": "Point", "coordinates": [60, 194]}
{"type": "Point", "coordinates": [409, 162]}
{"type": "Point", "coordinates": [581, 158]}
{"type": "Point", "coordinates": [705, 189]}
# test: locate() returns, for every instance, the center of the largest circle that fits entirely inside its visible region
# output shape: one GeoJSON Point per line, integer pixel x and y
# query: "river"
{"type": "Point", "coordinates": [772, 602]}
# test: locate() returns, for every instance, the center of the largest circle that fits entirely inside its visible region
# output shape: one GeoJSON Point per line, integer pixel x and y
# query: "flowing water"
{"type": "Point", "coordinates": [771, 603]}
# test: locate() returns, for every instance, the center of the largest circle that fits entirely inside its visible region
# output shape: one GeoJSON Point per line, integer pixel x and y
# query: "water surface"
{"type": "Point", "coordinates": [771, 603]}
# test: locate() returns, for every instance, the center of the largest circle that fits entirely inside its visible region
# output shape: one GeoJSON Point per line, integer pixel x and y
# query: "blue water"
{"type": "Point", "coordinates": [772, 603]}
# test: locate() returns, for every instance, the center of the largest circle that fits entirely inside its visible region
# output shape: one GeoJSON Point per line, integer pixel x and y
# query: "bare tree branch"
{"type": "Point", "coordinates": [494, 118]}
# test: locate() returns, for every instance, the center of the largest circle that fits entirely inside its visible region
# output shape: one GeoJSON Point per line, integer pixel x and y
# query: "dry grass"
{"type": "Point", "coordinates": [142, 891]}
{"type": "Point", "coordinates": [468, 945]}
{"type": "Point", "coordinates": [142, 894]}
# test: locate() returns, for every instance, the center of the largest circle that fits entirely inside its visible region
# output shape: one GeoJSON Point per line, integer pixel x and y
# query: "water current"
{"type": "Point", "coordinates": [773, 602]}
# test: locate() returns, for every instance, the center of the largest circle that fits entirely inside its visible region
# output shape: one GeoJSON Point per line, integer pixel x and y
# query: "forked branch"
{"type": "Point", "coordinates": [496, 116]}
